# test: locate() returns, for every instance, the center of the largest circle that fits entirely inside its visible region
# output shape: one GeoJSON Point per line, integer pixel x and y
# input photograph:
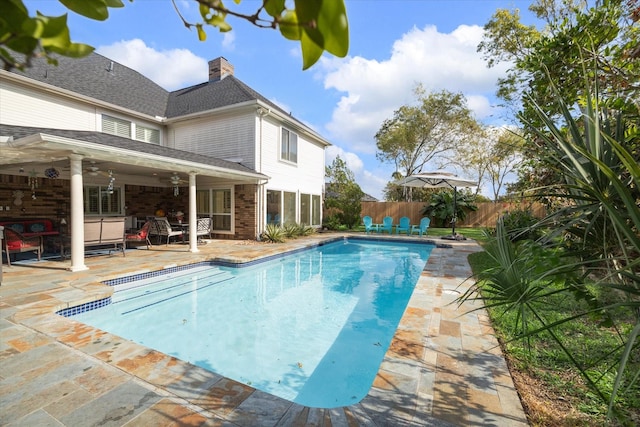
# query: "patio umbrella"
{"type": "Point", "coordinates": [440, 180]}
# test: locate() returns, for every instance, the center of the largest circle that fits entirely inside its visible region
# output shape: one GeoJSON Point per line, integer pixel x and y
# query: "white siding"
{"type": "Point", "coordinates": [231, 137]}
{"type": "Point", "coordinates": [307, 176]}
{"type": "Point", "coordinates": [22, 106]}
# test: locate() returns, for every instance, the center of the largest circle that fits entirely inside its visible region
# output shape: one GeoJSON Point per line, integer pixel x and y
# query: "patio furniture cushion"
{"type": "Point", "coordinates": [29, 226]}
{"type": "Point", "coordinates": [15, 242]}
{"type": "Point", "coordinates": [140, 236]}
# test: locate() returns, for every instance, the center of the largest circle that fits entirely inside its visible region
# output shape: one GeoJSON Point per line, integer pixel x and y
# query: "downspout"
{"type": "Point", "coordinates": [261, 193]}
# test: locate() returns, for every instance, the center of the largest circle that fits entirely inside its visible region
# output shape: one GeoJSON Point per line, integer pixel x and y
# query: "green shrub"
{"type": "Point", "coordinates": [519, 225]}
{"type": "Point", "coordinates": [273, 233]}
{"type": "Point", "coordinates": [332, 222]}
{"type": "Point", "coordinates": [291, 230]}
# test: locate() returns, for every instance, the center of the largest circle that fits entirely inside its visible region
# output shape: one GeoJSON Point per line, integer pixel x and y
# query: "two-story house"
{"type": "Point", "coordinates": [90, 137]}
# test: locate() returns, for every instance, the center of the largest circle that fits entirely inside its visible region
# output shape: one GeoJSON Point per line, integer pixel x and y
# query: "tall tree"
{"type": "Point", "coordinates": [318, 25]}
{"type": "Point", "coordinates": [421, 133]}
{"type": "Point", "coordinates": [605, 36]}
{"type": "Point", "coordinates": [504, 156]}
{"type": "Point", "coordinates": [343, 194]}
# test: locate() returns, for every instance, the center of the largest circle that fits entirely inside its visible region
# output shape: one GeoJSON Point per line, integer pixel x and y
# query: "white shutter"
{"type": "Point", "coordinates": [116, 126]}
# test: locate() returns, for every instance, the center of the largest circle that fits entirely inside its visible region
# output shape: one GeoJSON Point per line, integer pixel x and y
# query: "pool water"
{"type": "Point", "coordinates": [311, 327]}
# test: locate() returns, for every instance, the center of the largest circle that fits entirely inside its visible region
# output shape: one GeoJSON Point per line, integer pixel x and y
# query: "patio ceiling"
{"type": "Point", "coordinates": [153, 167]}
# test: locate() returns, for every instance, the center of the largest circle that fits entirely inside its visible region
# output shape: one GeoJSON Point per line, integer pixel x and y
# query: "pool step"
{"type": "Point", "coordinates": [144, 293]}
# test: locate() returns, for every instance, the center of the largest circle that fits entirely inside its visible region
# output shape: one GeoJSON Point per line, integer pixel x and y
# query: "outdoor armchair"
{"type": "Point", "coordinates": [369, 225]}
{"type": "Point", "coordinates": [422, 228]}
{"type": "Point", "coordinates": [387, 224]}
{"type": "Point", "coordinates": [140, 236]}
{"type": "Point", "coordinates": [404, 225]}
{"type": "Point", "coordinates": [161, 228]}
{"type": "Point", "coordinates": [15, 242]}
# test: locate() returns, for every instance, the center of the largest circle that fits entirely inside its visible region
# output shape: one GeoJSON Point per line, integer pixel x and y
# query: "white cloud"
{"type": "Point", "coordinates": [171, 69]}
{"type": "Point", "coordinates": [229, 41]}
{"type": "Point", "coordinates": [373, 89]}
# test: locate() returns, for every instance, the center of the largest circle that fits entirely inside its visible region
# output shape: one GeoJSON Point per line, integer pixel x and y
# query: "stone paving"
{"type": "Point", "coordinates": [443, 368]}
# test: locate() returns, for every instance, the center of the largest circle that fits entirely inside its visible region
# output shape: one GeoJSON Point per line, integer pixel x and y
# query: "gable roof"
{"type": "Point", "coordinates": [101, 78]}
{"type": "Point", "coordinates": [212, 95]}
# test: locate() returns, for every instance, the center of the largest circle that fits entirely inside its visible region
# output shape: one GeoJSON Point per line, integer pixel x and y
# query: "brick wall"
{"type": "Point", "coordinates": [142, 201]}
{"type": "Point", "coordinates": [51, 197]}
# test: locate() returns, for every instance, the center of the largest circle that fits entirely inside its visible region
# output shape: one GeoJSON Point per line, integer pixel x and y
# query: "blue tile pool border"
{"type": "Point", "coordinates": [83, 308]}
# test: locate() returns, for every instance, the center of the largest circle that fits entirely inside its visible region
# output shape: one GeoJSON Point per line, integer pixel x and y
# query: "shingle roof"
{"type": "Point", "coordinates": [101, 78]}
{"type": "Point", "coordinates": [211, 95]}
{"type": "Point", "coordinates": [125, 143]}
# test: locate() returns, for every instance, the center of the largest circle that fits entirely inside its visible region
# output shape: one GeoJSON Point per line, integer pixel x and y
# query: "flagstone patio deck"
{"type": "Point", "coordinates": [444, 366]}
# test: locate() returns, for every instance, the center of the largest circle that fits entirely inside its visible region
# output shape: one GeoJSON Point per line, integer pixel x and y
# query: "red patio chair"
{"type": "Point", "coordinates": [139, 236]}
{"type": "Point", "coordinates": [15, 242]}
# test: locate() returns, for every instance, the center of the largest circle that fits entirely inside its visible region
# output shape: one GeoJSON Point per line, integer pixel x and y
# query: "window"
{"type": "Point", "coordinates": [218, 204]}
{"type": "Point", "coordinates": [289, 208]}
{"type": "Point", "coordinates": [116, 126]}
{"type": "Point", "coordinates": [221, 213]}
{"type": "Point", "coordinates": [289, 146]}
{"type": "Point", "coordinates": [316, 208]}
{"type": "Point", "coordinates": [202, 202]}
{"type": "Point", "coordinates": [123, 128]}
{"type": "Point", "coordinates": [273, 207]}
{"type": "Point", "coordinates": [305, 209]}
{"type": "Point", "coordinates": [147, 134]}
{"type": "Point", "coordinates": [99, 200]}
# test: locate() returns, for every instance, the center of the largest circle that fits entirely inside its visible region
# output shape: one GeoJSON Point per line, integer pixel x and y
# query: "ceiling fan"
{"type": "Point", "coordinates": [93, 170]}
{"type": "Point", "coordinates": [176, 181]}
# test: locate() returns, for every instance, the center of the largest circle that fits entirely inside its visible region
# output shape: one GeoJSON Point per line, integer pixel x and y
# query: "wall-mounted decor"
{"type": "Point", "coordinates": [17, 197]}
{"type": "Point", "coordinates": [51, 173]}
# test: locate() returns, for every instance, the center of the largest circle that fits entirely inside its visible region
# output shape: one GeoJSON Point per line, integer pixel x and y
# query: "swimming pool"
{"type": "Point", "coordinates": [311, 327]}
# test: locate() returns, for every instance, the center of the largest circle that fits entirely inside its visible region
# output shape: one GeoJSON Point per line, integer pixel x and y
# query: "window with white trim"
{"type": "Point", "coordinates": [101, 200]}
{"type": "Point", "coordinates": [289, 146]}
{"type": "Point", "coordinates": [116, 126]}
{"type": "Point", "coordinates": [218, 204]}
{"type": "Point", "coordinates": [221, 215]}
{"type": "Point", "coordinates": [146, 134]}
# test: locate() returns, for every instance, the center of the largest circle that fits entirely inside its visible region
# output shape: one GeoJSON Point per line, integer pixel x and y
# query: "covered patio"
{"type": "Point", "coordinates": [44, 173]}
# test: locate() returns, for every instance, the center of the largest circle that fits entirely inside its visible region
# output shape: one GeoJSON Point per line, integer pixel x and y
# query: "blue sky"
{"type": "Point", "coordinates": [394, 45]}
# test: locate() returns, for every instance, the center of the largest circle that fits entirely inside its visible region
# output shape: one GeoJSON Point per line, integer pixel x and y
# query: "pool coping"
{"type": "Point", "coordinates": [420, 381]}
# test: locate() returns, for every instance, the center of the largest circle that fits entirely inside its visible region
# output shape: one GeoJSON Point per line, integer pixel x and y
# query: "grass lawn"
{"type": "Point", "coordinates": [552, 390]}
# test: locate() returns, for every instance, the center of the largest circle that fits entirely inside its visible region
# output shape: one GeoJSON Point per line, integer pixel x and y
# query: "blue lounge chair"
{"type": "Point", "coordinates": [369, 225]}
{"type": "Point", "coordinates": [404, 225]}
{"type": "Point", "coordinates": [387, 224]}
{"type": "Point", "coordinates": [422, 228]}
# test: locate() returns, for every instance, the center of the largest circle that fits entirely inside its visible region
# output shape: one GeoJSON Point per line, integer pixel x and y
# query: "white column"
{"type": "Point", "coordinates": [193, 214]}
{"type": "Point", "coordinates": [77, 214]}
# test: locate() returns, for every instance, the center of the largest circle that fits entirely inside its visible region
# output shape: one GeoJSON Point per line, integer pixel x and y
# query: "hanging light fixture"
{"type": "Point", "coordinates": [33, 182]}
{"type": "Point", "coordinates": [111, 180]}
{"type": "Point", "coordinates": [175, 180]}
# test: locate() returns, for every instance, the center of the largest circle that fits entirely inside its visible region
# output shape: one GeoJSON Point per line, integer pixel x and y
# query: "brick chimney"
{"type": "Point", "coordinates": [219, 68]}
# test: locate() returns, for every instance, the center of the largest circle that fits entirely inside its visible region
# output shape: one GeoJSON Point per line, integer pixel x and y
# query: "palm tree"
{"type": "Point", "coordinates": [440, 206]}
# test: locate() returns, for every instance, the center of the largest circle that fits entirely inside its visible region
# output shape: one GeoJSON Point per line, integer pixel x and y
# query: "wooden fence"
{"type": "Point", "coordinates": [486, 215]}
